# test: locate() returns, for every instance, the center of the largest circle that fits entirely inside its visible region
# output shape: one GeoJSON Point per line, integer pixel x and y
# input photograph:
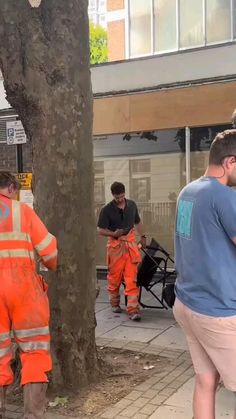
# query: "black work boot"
{"type": "Point", "coordinates": [35, 400]}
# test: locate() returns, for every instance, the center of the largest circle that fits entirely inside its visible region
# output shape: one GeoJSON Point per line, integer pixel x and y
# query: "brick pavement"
{"type": "Point", "coordinates": [147, 396]}
{"type": "Point", "coordinates": [152, 393]}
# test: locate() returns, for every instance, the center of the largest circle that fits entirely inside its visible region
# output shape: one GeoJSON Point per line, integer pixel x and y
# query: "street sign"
{"type": "Point", "coordinates": [25, 194]}
{"type": "Point", "coordinates": [15, 133]}
{"type": "Point", "coordinates": [25, 180]}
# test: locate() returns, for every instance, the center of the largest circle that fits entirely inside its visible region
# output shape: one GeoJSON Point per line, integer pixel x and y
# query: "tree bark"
{"type": "Point", "coordinates": [44, 58]}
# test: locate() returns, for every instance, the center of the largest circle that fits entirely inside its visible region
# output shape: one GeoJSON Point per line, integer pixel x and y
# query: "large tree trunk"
{"type": "Point", "coordinates": [44, 57]}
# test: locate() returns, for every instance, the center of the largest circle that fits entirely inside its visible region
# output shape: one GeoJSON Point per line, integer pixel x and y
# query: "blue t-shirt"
{"type": "Point", "coordinates": [205, 254]}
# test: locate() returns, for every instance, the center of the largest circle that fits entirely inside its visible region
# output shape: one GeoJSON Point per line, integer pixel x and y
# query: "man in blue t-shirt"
{"type": "Point", "coordinates": [205, 246]}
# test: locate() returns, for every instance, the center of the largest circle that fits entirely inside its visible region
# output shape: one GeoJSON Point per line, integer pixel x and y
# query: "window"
{"type": "Point", "coordinates": [157, 26]}
{"type": "Point", "coordinates": [92, 4]}
{"type": "Point", "coordinates": [102, 20]}
{"type": "Point", "coordinates": [191, 23]}
{"type": "Point", "coordinates": [139, 143]}
{"type": "Point", "coordinates": [140, 166]}
{"type": "Point", "coordinates": [99, 191]}
{"type": "Point", "coordinates": [140, 27]}
{"type": "Point", "coordinates": [218, 20]}
{"type": "Point", "coordinates": [140, 189]}
{"type": "Point", "coordinates": [201, 139]}
{"type": "Point", "coordinates": [102, 6]}
{"type": "Point", "coordinates": [165, 25]}
{"type": "Point", "coordinates": [98, 167]}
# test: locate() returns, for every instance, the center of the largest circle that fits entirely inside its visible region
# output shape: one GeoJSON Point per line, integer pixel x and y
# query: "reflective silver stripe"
{"type": "Point", "coordinates": [51, 256]}
{"type": "Point", "coordinates": [16, 253]}
{"type": "Point", "coordinates": [38, 331]}
{"type": "Point", "coordinates": [44, 243]}
{"type": "Point", "coordinates": [15, 236]}
{"type": "Point", "coordinates": [34, 346]}
{"type": "Point", "coordinates": [4, 351]}
{"type": "Point", "coordinates": [132, 304]}
{"type": "Point", "coordinates": [4, 336]}
{"type": "Point", "coordinates": [16, 215]}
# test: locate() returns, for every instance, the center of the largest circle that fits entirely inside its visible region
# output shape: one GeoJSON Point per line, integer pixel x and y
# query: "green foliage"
{"type": "Point", "coordinates": [98, 44]}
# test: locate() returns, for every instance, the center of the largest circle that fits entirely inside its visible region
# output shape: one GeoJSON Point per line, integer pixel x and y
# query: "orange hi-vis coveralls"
{"type": "Point", "coordinates": [24, 307]}
{"type": "Point", "coordinates": [123, 259]}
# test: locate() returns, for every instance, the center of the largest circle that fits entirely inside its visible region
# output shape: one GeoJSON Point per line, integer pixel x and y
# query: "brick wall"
{"type": "Point", "coordinates": [8, 159]}
{"type": "Point", "coordinates": [116, 40]}
{"type": "Point", "coordinates": [27, 157]}
{"type": "Point", "coordinates": [115, 5]}
{"type": "Point", "coordinates": [116, 32]}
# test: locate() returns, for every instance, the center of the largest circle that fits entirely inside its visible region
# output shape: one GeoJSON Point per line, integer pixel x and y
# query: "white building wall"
{"type": "Point", "coordinates": [153, 71]}
{"type": "Point", "coordinates": [4, 104]}
{"type": "Point", "coordinates": [116, 170]}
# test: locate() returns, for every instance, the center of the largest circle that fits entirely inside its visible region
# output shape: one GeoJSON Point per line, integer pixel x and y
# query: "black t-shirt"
{"type": "Point", "coordinates": [112, 218]}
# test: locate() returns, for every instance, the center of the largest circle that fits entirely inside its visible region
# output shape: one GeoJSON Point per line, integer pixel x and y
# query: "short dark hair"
{"type": "Point", "coordinates": [224, 145]}
{"type": "Point", "coordinates": [7, 179]}
{"type": "Point", "coordinates": [234, 118]}
{"type": "Point", "coordinates": [117, 188]}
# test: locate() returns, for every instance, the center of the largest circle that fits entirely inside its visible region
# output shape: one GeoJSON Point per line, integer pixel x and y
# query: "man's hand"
{"type": "Point", "coordinates": [143, 241]}
{"type": "Point", "coordinates": [118, 233]}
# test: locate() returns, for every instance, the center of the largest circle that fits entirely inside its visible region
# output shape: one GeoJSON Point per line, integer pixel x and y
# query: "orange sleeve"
{"type": "Point", "coordinates": [43, 242]}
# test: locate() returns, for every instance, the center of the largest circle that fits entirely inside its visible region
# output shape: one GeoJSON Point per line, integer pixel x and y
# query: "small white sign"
{"type": "Point", "coordinates": [15, 133]}
{"type": "Point", "coordinates": [27, 197]}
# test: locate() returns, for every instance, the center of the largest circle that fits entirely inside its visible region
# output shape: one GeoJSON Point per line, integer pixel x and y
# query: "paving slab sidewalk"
{"type": "Point", "coordinates": [167, 394]}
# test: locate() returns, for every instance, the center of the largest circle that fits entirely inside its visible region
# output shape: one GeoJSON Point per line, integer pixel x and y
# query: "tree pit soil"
{"type": "Point", "coordinates": [121, 371]}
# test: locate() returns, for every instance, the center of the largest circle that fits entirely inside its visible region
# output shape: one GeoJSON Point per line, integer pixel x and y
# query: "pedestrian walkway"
{"type": "Point", "coordinates": [167, 393]}
{"type": "Point", "coordinates": [157, 328]}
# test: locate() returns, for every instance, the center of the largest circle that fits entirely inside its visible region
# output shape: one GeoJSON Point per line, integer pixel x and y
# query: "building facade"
{"type": "Point", "coordinates": [169, 88]}
{"type": "Point", "coordinates": [157, 104]}
{"type": "Point", "coordinates": [97, 12]}
{"type": "Point", "coordinates": [138, 28]}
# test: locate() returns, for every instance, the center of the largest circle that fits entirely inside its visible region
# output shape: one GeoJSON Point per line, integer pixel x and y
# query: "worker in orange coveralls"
{"type": "Point", "coordinates": [24, 307]}
{"type": "Point", "coordinates": [116, 221]}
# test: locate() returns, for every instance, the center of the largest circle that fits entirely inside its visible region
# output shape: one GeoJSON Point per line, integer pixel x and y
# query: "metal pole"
{"type": "Point", "coordinates": [19, 157]}
{"type": "Point", "coordinates": [187, 153]}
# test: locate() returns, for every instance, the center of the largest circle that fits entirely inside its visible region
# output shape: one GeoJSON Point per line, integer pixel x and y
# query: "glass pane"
{"type": "Point", "coordinates": [191, 23]}
{"type": "Point", "coordinates": [165, 25]}
{"type": "Point", "coordinates": [153, 181]}
{"type": "Point", "coordinates": [201, 139]}
{"type": "Point", "coordinates": [139, 143]}
{"type": "Point", "coordinates": [140, 27]}
{"type": "Point", "coordinates": [218, 20]}
{"type": "Point", "coordinates": [141, 189]}
{"type": "Point", "coordinates": [92, 4]}
{"type": "Point", "coordinates": [99, 191]}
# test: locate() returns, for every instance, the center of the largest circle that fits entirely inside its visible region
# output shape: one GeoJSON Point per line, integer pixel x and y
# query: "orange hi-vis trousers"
{"type": "Point", "coordinates": [24, 316]}
{"type": "Point", "coordinates": [123, 259]}
{"type": "Point", "coordinates": [24, 307]}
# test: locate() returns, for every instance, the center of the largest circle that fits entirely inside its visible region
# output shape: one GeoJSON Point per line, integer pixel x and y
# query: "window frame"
{"type": "Point", "coordinates": [178, 48]}
{"type": "Point", "coordinates": [232, 29]}
{"type": "Point", "coordinates": [129, 26]}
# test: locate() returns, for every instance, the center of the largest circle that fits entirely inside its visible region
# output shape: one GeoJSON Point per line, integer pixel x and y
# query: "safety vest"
{"type": "Point", "coordinates": [22, 232]}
